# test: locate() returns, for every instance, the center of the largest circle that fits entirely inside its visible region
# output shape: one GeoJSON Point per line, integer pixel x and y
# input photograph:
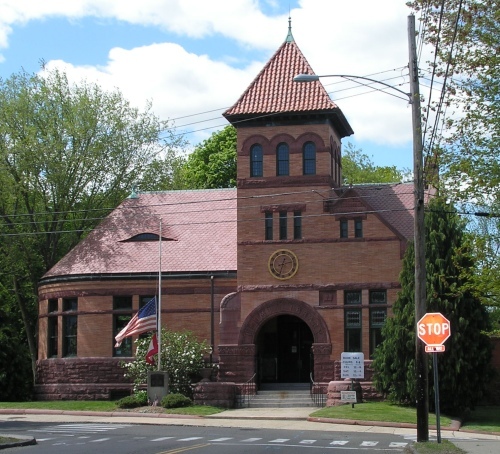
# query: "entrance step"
{"type": "Point", "coordinates": [292, 396]}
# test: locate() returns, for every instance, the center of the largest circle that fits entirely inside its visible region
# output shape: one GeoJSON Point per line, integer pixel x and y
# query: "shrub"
{"type": "Point", "coordinates": [176, 400]}
{"type": "Point", "coordinates": [140, 399]}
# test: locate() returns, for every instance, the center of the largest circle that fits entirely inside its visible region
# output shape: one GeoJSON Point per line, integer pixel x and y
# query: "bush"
{"type": "Point", "coordinates": [137, 400]}
{"type": "Point", "coordinates": [176, 400]}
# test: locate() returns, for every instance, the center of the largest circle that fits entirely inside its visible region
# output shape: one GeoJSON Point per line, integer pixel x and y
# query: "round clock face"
{"type": "Point", "coordinates": [283, 264]}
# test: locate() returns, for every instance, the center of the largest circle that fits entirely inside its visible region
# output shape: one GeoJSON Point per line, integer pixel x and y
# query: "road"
{"type": "Point", "coordinates": [111, 438]}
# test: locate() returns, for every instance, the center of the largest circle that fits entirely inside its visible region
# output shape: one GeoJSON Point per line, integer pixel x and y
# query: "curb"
{"type": "Point", "coordinates": [20, 440]}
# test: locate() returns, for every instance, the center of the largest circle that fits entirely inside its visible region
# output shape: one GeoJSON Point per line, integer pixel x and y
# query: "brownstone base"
{"type": "Point", "coordinates": [81, 379]}
{"type": "Point", "coordinates": [217, 394]}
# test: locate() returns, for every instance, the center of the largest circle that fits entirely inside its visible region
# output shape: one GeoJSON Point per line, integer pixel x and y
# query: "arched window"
{"type": "Point", "coordinates": [282, 160]}
{"type": "Point", "coordinates": [309, 159]}
{"type": "Point", "coordinates": [256, 161]}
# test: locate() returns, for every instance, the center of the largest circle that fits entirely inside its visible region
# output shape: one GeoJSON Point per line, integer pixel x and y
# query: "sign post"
{"type": "Point", "coordinates": [353, 366]}
{"type": "Point", "coordinates": [434, 329]}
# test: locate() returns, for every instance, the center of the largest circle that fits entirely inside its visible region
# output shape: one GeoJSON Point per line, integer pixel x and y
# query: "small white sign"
{"type": "Point", "coordinates": [348, 396]}
{"type": "Point", "coordinates": [353, 365]}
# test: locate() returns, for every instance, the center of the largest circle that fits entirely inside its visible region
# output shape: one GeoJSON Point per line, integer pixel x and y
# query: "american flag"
{"type": "Point", "coordinates": [144, 320]}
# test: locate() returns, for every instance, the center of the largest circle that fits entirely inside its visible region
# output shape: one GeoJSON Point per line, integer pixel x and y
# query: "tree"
{"type": "Point", "coordinates": [212, 164]}
{"type": "Point", "coordinates": [69, 153]}
{"type": "Point", "coordinates": [464, 367]}
{"type": "Point", "coordinates": [465, 38]}
{"type": "Point", "coordinates": [182, 356]}
{"type": "Point", "coordinates": [358, 168]}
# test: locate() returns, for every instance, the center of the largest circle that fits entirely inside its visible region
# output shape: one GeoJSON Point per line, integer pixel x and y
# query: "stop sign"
{"type": "Point", "coordinates": [433, 328]}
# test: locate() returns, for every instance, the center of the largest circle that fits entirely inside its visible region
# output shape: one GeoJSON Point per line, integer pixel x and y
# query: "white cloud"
{"type": "Point", "coordinates": [361, 37]}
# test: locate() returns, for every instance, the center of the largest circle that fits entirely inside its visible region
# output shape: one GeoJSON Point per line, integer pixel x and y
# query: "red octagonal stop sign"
{"type": "Point", "coordinates": [433, 328]}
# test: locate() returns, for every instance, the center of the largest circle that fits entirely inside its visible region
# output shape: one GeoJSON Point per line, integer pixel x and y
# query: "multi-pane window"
{"type": "Point", "coordinates": [70, 326]}
{"type": "Point", "coordinates": [378, 316]}
{"type": "Point", "coordinates": [352, 321]}
{"type": "Point", "coordinates": [343, 228]}
{"type": "Point", "coordinates": [358, 228]}
{"type": "Point", "coordinates": [256, 161]}
{"type": "Point", "coordinates": [52, 329]}
{"type": "Point", "coordinates": [297, 225]}
{"type": "Point", "coordinates": [283, 225]}
{"type": "Point", "coordinates": [268, 225]}
{"type": "Point", "coordinates": [282, 160]}
{"type": "Point", "coordinates": [309, 159]}
{"type": "Point", "coordinates": [123, 304]}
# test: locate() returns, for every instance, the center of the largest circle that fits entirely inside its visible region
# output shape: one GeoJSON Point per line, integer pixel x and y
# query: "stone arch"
{"type": "Point", "coordinates": [282, 306]}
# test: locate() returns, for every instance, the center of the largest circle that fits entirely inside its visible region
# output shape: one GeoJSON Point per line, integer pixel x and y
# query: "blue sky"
{"type": "Point", "coordinates": [192, 58]}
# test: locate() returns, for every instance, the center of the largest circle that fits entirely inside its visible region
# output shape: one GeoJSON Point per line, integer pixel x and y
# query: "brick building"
{"type": "Point", "coordinates": [285, 272]}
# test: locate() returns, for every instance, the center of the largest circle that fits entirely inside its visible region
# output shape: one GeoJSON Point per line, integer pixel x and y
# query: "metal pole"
{"type": "Point", "coordinates": [212, 341]}
{"type": "Point", "coordinates": [158, 308]}
{"type": "Point", "coordinates": [422, 385]}
{"type": "Point", "coordinates": [436, 395]}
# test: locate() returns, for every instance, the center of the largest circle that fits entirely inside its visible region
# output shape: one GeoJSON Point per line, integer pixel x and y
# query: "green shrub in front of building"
{"type": "Point", "coordinates": [182, 356]}
{"type": "Point", "coordinates": [176, 400]}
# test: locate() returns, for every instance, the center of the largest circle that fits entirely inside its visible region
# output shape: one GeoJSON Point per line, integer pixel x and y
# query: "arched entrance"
{"type": "Point", "coordinates": [283, 348]}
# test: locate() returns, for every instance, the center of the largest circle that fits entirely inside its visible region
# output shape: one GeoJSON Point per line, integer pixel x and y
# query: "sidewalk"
{"type": "Point", "coordinates": [268, 418]}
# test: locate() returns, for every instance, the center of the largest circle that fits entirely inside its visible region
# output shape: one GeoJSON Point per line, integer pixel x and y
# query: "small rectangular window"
{"type": "Point", "coordinates": [283, 225]}
{"type": "Point", "coordinates": [297, 225]}
{"type": "Point", "coordinates": [358, 228]}
{"type": "Point", "coordinates": [268, 225]}
{"type": "Point", "coordinates": [70, 327]}
{"type": "Point", "coordinates": [352, 297]}
{"type": "Point", "coordinates": [343, 228]}
{"type": "Point", "coordinates": [52, 329]}
{"type": "Point", "coordinates": [122, 304]}
{"type": "Point", "coordinates": [378, 316]}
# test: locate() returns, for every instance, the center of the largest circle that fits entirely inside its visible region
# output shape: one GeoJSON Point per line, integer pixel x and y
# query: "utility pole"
{"type": "Point", "coordinates": [420, 273]}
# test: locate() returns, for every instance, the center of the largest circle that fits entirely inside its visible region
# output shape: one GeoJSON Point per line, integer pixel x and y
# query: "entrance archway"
{"type": "Point", "coordinates": [299, 315]}
{"type": "Point", "coordinates": [283, 348]}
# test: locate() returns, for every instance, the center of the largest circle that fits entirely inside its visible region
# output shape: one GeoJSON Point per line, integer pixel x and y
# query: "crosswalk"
{"type": "Point", "coordinates": [96, 433]}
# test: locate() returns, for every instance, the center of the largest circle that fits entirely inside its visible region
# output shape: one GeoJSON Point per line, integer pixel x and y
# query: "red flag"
{"type": "Point", "coordinates": [152, 350]}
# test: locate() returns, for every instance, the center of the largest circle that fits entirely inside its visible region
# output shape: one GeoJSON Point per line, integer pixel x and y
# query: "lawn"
{"type": "Point", "coordinates": [377, 411]}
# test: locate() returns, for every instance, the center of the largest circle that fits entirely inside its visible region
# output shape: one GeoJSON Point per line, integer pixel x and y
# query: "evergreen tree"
{"type": "Point", "coordinates": [464, 367]}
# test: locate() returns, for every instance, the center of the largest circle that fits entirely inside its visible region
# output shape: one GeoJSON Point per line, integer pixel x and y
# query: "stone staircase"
{"type": "Point", "coordinates": [282, 395]}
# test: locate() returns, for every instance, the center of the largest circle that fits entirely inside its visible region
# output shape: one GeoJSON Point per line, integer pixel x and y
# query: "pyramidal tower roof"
{"type": "Point", "coordinates": [274, 91]}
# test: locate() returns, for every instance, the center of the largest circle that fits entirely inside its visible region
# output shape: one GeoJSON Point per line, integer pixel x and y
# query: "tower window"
{"type": "Point", "coordinates": [283, 225]}
{"type": "Point", "coordinates": [309, 159]}
{"type": "Point", "coordinates": [268, 225]}
{"type": "Point", "coordinates": [256, 161]}
{"type": "Point", "coordinates": [282, 160]}
{"type": "Point", "coordinates": [70, 326]}
{"type": "Point", "coordinates": [120, 320]}
{"type": "Point", "coordinates": [297, 225]}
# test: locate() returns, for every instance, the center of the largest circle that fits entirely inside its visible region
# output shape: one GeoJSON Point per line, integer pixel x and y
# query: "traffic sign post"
{"type": "Point", "coordinates": [434, 329]}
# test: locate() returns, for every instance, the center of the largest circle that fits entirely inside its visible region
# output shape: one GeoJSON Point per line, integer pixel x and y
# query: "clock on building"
{"type": "Point", "coordinates": [283, 264]}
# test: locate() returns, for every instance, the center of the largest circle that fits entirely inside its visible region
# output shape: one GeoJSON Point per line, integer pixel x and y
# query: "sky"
{"type": "Point", "coordinates": [192, 59]}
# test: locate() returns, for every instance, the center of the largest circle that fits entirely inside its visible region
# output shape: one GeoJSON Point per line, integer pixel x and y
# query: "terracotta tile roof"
{"type": "Point", "coordinates": [274, 91]}
{"type": "Point", "coordinates": [198, 228]}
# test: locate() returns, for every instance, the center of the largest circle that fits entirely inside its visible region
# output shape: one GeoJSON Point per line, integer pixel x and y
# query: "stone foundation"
{"type": "Point", "coordinates": [217, 394]}
{"type": "Point", "coordinates": [81, 379]}
{"type": "Point", "coordinates": [334, 391]}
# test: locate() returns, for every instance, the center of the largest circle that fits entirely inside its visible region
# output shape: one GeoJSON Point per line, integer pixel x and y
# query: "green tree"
{"type": "Point", "coordinates": [182, 356]}
{"type": "Point", "coordinates": [357, 168]}
{"type": "Point", "coordinates": [464, 367]}
{"type": "Point", "coordinates": [464, 36]}
{"type": "Point", "coordinates": [69, 153]}
{"type": "Point", "coordinates": [212, 164]}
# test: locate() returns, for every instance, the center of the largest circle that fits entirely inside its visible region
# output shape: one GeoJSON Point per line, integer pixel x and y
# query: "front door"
{"type": "Point", "coordinates": [284, 350]}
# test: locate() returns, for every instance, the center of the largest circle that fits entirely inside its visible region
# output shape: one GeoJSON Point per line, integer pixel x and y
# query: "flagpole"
{"type": "Point", "coordinates": [158, 318]}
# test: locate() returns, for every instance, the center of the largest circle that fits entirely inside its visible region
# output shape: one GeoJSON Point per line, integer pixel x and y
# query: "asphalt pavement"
{"type": "Point", "coordinates": [268, 418]}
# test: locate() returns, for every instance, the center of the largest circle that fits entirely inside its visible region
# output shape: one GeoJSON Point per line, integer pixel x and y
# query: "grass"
{"type": "Point", "coordinates": [483, 419]}
{"type": "Point", "coordinates": [103, 405]}
{"type": "Point", "coordinates": [377, 411]}
{"type": "Point", "coordinates": [445, 447]}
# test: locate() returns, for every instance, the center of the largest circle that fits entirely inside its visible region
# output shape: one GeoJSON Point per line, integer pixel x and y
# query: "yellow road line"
{"type": "Point", "coordinates": [186, 448]}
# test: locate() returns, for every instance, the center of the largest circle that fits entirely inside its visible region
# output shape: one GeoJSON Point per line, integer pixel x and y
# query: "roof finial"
{"type": "Point", "coordinates": [289, 37]}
